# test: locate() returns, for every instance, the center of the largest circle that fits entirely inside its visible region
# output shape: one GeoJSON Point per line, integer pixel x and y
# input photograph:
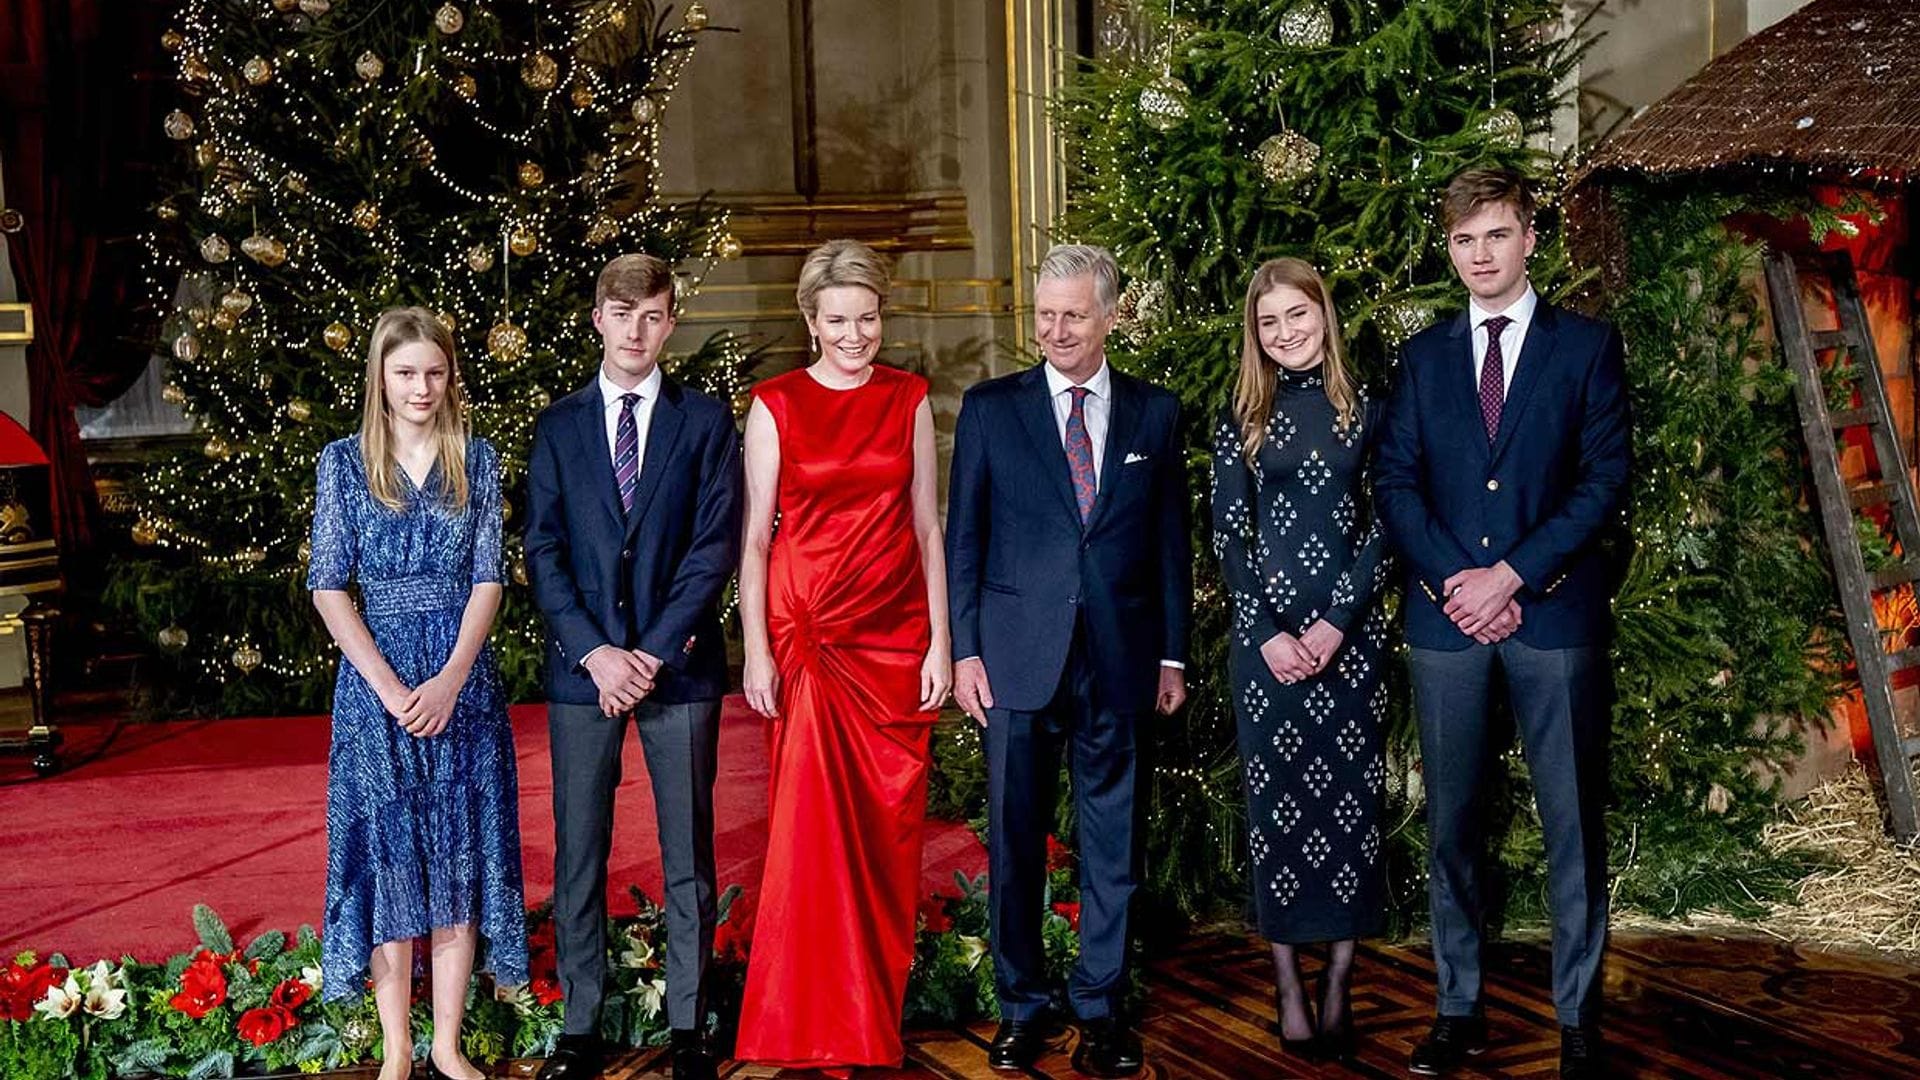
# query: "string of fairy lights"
{"type": "Point", "coordinates": [322, 155]}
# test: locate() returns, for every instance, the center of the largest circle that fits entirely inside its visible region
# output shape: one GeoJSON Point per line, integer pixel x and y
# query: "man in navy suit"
{"type": "Point", "coordinates": [633, 528]}
{"type": "Point", "coordinates": [1501, 473]}
{"type": "Point", "coordinates": [1069, 572]}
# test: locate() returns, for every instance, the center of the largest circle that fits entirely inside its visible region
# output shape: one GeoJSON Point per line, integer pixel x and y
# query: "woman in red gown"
{"type": "Point", "coordinates": [844, 609]}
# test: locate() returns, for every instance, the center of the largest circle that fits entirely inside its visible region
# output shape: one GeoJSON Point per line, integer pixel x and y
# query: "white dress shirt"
{"type": "Point", "coordinates": [1511, 339]}
{"type": "Point", "coordinates": [1096, 411]}
{"type": "Point", "coordinates": [610, 392]}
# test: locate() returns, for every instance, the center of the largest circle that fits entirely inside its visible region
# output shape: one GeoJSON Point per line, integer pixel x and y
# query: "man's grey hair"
{"type": "Point", "coordinates": [1074, 260]}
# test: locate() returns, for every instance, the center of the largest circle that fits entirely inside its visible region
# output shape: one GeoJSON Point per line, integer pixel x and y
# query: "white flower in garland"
{"type": "Point", "coordinates": [639, 953]}
{"type": "Point", "coordinates": [651, 994]}
{"type": "Point", "coordinates": [61, 1001]}
{"type": "Point", "coordinates": [311, 977]}
{"type": "Point", "coordinates": [106, 997]}
{"type": "Point", "coordinates": [974, 949]}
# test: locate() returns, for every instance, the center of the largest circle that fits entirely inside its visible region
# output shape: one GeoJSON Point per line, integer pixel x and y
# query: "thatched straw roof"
{"type": "Point", "coordinates": [1833, 89]}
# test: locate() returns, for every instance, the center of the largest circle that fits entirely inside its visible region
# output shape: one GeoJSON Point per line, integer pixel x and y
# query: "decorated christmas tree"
{"type": "Point", "coordinates": [1210, 135]}
{"type": "Point", "coordinates": [345, 156]}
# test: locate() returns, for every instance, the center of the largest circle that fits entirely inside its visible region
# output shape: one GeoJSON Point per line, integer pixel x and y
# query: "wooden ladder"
{"type": "Point", "coordinates": [1819, 425]}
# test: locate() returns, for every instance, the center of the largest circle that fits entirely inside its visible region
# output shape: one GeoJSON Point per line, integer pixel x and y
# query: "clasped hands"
{"type": "Point", "coordinates": [425, 710]}
{"type": "Point", "coordinates": [624, 677]}
{"type": "Point", "coordinates": [1480, 602]}
{"type": "Point", "coordinates": [1293, 658]}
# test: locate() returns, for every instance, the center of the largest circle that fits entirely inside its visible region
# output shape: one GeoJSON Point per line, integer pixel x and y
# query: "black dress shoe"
{"type": "Point", "coordinates": [1019, 1043]}
{"type": "Point", "coordinates": [1452, 1040]}
{"type": "Point", "coordinates": [1108, 1048]}
{"type": "Point", "coordinates": [1581, 1053]}
{"type": "Point", "coordinates": [575, 1057]}
{"type": "Point", "coordinates": [691, 1060]}
{"type": "Point", "coordinates": [1336, 1041]}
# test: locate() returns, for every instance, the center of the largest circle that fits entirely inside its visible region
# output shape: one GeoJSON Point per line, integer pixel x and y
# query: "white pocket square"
{"type": "Point", "coordinates": [1134, 457]}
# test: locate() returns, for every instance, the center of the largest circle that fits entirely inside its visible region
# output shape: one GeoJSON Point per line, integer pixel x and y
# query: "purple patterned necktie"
{"type": "Point", "coordinates": [626, 451]}
{"type": "Point", "coordinates": [1493, 381]}
{"type": "Point", "coordinates": [1080, 453]}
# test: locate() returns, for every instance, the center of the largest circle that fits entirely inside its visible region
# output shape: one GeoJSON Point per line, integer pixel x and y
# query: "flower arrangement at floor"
{"type": "Point", "coordinates": [221, 1011]}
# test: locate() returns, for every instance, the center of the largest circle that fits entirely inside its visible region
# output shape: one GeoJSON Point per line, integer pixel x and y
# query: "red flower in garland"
{"type": "Point", "coordinates": [263, 1025]}
{"type": "Point", "coordinates": [291, 994]}
{"type": "Point", "coordinates": [22, 984]}
{"type": "Point", "coordinates": [934, 910]}
{"type": "Point", "coordinates": [1069, 912]}
{"type": "Point", "coordinates": [545, 989]}
{"type": "Point", "coordinates": [203, 986]}
{"type": "Point", "coordinates": [1059, 855]}
{"type": "Point", "coordinates": [731, 938]}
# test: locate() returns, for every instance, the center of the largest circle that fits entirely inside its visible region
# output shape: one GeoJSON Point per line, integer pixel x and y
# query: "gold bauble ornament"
{"type": "Point", "coordinates": [696, 16]}
{"type": "Point", "coordinates": [236, 300]}
{"type": "Point", "coordinates": [205, 155]}
{"type": "Point", "coordinates": [264, 250]}
{"type": "Point", "coordinates": [602, 230]}
{"type": "Point", "coordinates": [246, 658]}
{"type": "Point", "coordinates": [144, 533]}
{"type": "Point", "coordinates": [252, 556]}
{"type": "Point", "coordinates": [1306, 25]}
{"type": "Point", "coordinates": [423, 150]}
{"type": "Point", "coordinates": [173, 638]}
{"type": "Point", "coordinates": [522, 241]}
{"type": "Point", "coordinates": [166, 211]}
{"type": "Point", "coordinates": [730, 247]}
{"type": "Point", "coordinates": [1401, 319]}
{"type": "Point", "coordinates": [370, 67]}
{"type": "Point", "coordinates": [519, 570]}
{"type": "Point", "coordinates": [480, 258]}
{"type": "Point", "coordinates": [1163, 104]}
{"type": "Point", "coordinates": [1287, 158]}
{"type": "Point", "coordinates": [465, 86]}
{"type": "Point", "coordinates": [299, 411]}
{"type": "Point", "coordinates": [198, 315]}
{"type": "Point", "coordinates": [194, 69]}
{"type": "Point", "coordinates": [506, 342]}
{"type": "Point", "coordinates": [539, 72]}
{"type": "Point", "coordinates": [316, 8]}
{"type": "Point", "coordinates": [258, 71]}
{"type": "Point", "coordinates": [506, 510]}
{"type": "Point", "coordinates": [582, 95]}
{"type": "Point", "coordinates": [337, 336]}
{"type": "Point", "coordinates": [541, 399]}
{"type": "Point", "coordinates": [296, 183]}
{"type": "Point", "coordinates": [171, 40]}
{"type": "Point", "coordinates": [304, 551]}
{"type": "Point", "coordinates": [217, 448]}
{"type": "Point", "coordinates": [173, 395]}
{"type": "Point", "coordinates": [186, 347]}
{"type": "Point", "coordinates": [223, 320]}
{"type": "Point", "coordinates": [531, 175]}
{"type": "Point", "coordinates": [1503, 128]}
{"type": "Point", "coordinates": [284, 6]}
{"type": "Point", "coordinates": [178, 126]}
{"type": "Point", "coordinates": [645, 109]}
{"type": "Point", "coordinates": [445, 318]}
{"type": "Point", "coordinates": [214, 249]}
{"type": "Point", "coordinates": [366, 216]}
{"type": "Point", "coordinates": [449, 20]}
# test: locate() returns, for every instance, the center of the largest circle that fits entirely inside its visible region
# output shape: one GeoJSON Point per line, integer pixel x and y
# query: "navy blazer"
{"type": "Point", "coordinates": [650, 579]}
{"type": "Point", "coordinates": [1021, 569]}
{"type": "Point", "coordinates": [1542, 496]}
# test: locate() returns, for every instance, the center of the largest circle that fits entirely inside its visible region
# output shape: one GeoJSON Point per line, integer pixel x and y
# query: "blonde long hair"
{"type": "Point", "coordinates": [1253, 393]}
{"type": "Point", "coordinates": [405, 326]}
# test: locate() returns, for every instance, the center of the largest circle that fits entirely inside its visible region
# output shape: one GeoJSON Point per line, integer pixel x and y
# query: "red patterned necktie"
{"type": "Point", "coordinates": [626, 451]}
{"type": "Point", "coordinates": [1080, 453]}
{"type": "Point", "coordinates": [1493, 381]}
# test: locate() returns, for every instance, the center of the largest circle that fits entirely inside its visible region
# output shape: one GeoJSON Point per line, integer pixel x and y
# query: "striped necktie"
{"type": "Point", "coordinates": [626, 451]}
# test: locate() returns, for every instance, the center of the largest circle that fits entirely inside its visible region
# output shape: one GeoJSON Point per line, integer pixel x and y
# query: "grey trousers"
{"type": "Point", "coordinates": [1562, 706]}
{"type": "Point", "coordinates": [681, 744]}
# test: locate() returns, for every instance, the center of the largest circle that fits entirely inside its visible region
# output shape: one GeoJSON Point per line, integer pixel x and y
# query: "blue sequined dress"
{"type": "Point", "coordinates": [421, 832]}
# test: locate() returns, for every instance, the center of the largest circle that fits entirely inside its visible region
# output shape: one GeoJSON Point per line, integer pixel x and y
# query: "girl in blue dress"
{"type": "Point", "coordinates": [423, 834]}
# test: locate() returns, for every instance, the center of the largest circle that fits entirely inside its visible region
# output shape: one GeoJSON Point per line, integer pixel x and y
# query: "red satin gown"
{"type": "Point", "coordinates": [847, 614]}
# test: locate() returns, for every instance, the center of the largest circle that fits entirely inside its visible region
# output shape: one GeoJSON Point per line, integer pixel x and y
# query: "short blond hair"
{"type": "Point", "coordinates": [632, 278]}
{"type": "Point", "coordinates": [837, 263]}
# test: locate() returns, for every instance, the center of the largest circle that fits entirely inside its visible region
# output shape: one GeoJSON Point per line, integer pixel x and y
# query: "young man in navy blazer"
{"type": "Point", "coordinates": [1069, 575]}
{"type": "Point", "coordinates": [633, 528]}
{"type": "Point", "coordinates": [1502, 470]}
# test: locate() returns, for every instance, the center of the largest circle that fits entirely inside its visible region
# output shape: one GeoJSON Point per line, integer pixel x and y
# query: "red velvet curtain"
{"type": "Point", "coordinates": [70, 128]}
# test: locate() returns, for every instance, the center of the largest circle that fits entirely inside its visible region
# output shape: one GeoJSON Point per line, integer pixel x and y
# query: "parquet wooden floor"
{"type": "Point", "coordinates": [1688, 1008]}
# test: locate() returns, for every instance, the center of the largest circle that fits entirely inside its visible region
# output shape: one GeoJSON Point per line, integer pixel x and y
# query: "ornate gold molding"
{"type": "Point", "coordinates": [771, 224]}
{"type": "Point", "coordinates": [16, 324]}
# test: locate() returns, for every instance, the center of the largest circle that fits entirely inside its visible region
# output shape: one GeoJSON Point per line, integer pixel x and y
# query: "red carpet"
{"type": "Point", "coordinates": [112, 856]}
